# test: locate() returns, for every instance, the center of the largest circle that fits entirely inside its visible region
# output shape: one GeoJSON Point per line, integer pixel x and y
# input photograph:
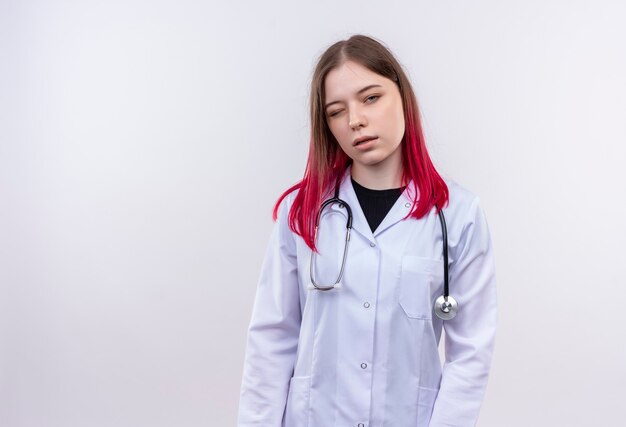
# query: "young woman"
{"type": "Point", "coordinates": [345, 330]}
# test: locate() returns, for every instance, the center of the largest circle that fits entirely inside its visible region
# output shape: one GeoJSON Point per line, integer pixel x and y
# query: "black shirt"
{"type": "Point", "coordinates": [376, 203]}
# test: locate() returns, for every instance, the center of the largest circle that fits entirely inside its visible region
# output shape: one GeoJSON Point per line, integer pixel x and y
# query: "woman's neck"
{"type": "Point", "coordinates": [377, 178]}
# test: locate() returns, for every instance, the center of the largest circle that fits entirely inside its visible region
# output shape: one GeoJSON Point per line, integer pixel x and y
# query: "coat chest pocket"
{"type": "Point", "coordinates": [420, 280]}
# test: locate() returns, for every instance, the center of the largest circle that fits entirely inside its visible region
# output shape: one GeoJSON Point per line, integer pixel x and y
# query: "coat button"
{"type": "Point", "coordinates": [366, 305]}
{"type": "Point", "coordinates": [363, 365]}
{"type": "Point", "coordinates": [407, 205]}
{"type": "Point", "coordinates": [360, 425]}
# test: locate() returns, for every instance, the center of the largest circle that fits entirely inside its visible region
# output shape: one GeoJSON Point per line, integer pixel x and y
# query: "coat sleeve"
{"type": "Point", "coordinates": [272, 338]}
{"type": "Point", "coordinates": [470, 336]}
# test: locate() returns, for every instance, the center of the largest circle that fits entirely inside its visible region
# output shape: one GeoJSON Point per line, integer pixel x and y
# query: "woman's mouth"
{"type": "Point", "coordinates": [365, 143]}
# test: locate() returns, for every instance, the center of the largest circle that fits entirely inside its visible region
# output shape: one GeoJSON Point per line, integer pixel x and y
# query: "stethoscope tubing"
{"type": "Point", "coordinates": [444, 234]}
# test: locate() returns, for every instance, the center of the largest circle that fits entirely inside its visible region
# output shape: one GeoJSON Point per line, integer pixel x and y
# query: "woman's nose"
{"type": "Point", "coordinates": [356, 119]}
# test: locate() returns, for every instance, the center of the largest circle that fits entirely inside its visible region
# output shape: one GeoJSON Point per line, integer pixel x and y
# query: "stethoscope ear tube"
{"type": "Point", "coordinates": [337, 283]}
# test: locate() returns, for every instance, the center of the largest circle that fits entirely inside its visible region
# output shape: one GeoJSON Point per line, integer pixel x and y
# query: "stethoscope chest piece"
{"type": "Point", "coordinates": [446, 307]}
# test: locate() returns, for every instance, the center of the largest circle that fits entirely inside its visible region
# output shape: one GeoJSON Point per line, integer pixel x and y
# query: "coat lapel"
{"type": "Point", "coordinates": [347, 194]}
{"type": "Point", "coordinates": [400, 209]}
{"type": "Point", "coordinates": [359, 223]}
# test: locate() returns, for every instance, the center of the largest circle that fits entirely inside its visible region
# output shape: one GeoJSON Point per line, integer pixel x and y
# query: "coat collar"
{"type": "Point", "coordinates": [398, 211]}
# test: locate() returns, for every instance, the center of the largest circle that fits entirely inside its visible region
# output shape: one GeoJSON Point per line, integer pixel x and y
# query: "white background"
{"type": "Point", "coordinates": [144, 143]}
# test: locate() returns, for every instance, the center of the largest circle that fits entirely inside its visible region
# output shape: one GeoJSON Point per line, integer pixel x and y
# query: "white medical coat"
{"type": "Point", "coordinates": [366, 354]}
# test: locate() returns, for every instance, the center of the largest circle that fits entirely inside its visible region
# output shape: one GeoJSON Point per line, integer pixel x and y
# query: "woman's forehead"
{"type": "Point", "coordinates": [350, 78]}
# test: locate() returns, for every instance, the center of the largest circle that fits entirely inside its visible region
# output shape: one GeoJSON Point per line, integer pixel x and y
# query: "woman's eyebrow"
{"type": "Point", "coordinates": [358, 93]}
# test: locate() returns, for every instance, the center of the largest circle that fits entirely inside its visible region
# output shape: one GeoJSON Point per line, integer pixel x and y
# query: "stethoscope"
{"type": "Point", "coordinates": [445, 307]}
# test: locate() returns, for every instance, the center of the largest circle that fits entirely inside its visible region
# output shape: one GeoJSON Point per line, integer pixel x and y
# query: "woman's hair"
{"type": "Point", "coordinates": [327, 162]}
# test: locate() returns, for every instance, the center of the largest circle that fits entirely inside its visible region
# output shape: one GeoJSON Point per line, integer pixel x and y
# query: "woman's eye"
{"type": "Point", "coordinates": [370, 99]}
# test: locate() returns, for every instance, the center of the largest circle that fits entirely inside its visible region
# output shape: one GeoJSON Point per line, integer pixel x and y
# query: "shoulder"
{"type": "Point", "coordinates": [463, 205]}
{"type": "Point", "coordinates": [459, 195]}
{"type": "Point", "coordinates": [285, 204]}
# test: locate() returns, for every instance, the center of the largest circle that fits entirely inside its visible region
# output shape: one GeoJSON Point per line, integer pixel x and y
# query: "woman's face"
{"type": "Point", "coordinates": [361, 103]}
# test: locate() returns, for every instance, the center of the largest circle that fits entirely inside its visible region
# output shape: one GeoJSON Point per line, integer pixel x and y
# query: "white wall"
{"type": "Point", "coordinates": [143, 144]}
